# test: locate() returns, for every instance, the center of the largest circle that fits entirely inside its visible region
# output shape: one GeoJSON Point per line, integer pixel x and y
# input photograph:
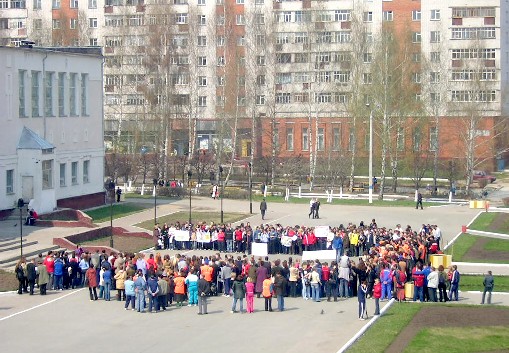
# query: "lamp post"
{"type": "Point", "coordinates": [112, 196]}
{"type": "Point", "coordinates": [370, 197]}
{"type": "Point", "coordinates": [221, 191]}
{"type": "Point", "coordinates": [250, 188]}
{"type": "Point", "coordinates": [155, 200]}
{"type": "Point", "coordinates": [21, 204]}
{"type": "Point", "coordinates": [189, 175]}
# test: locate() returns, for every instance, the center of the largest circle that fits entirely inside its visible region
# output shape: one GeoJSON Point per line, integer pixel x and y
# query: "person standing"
{"type": "Point", "coordinates": [267, 293]}
{"type": "Point", "coordinates": [31, 276]}
{"type": "Point", "coordinates": [263, 208]}
{"type": "Point", "coordinates": [312, 208]}
{"type": "Point", "coordinates": [280, 289]}
{"type": "Point", "coordinates": [361, 297]}
{"type": "Point", "coordinates": [442, 284]}
{"type": "Point", "coordinates": [315, 285]}
{"type": "Point", "coordinates": [91, 278]}
{"type": "Point", "coordinates": [203, 292]}
{"type": "Point", "coordinates": [377, 294]}
{"type": "Point", "coordinates": [162, 299]}
{"type": "Point", "coordinates": [432, 284]}
{"type": "Point", "coordinates": [192, 288]}
{"type": "Point", "coordinates": [119, 193]}
{"type": "Point", "coordinates": [20, 270]}
{"type": "Point", "coordinates": [455, 283]}
{"type": "Point", "coordinates": [140, 285]}
{"type": "Point", "coordinates": [316, 209]}
{"type": "Point", "coordinates": [250, 287]}
{"type": "Point", "coordinates": [152, 291]}
{"type": "Point", "coordinates": [129, 293]}
{"type": "Point", "coordinates": [42, 278]}
{"type": "Point", "coordinates": [239, 292]}
{"type": "Point", "coordinates": [120, 278]}
{"type": "Point", "coordinates": [489, 283]}
{"type": "Point", "coordinates": [419, 201]}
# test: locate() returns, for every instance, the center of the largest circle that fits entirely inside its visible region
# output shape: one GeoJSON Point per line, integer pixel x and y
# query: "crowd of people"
{"type": "Point", "coordinates": [371, 262]}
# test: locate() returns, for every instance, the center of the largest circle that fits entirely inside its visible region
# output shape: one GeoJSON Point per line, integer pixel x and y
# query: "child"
{"type": "Point", "coordinates": [267, 293]}
{"type": "Point", "coordinates": [250, 295]}
{"type": "Point", "coordinates": [361, 296]}
{"type": "Point", "coordinates": [377, 293]}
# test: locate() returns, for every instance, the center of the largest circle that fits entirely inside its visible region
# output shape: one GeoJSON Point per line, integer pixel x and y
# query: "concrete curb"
{"type": "Point", "coordinates": [365, 327]}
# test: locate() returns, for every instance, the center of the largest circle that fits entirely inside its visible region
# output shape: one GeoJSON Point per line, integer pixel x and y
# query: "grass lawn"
{"type": "Point", "coordinates": [183, 217]}
{"type": "Point", "coordinates": [473, 283]}
{"type": "Point", "coordinates": [497, 245]}
{"type": "Point", "coordinates": [102, 214]}
{"type": "Point", "coordinates": [492, 222]}
{"type": "Point", "coordinates": [461, 246]}
{"type": "Point", "coordinates": [8, 281]}
{"type": "Point", "coordinates": [460, 339]}
{"type": "Point", "coordinates": [386, 329]}
{"type": "Point", "coordinates": [123, 244]}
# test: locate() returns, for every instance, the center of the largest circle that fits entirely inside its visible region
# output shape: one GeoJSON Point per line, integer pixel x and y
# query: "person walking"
{"type": "Point", "coordinates": [263, 208]}
{"type": "Point", "coordinates": [489, 283]}
{"type": "Point", "coordinates": [203, 292]}
{"type": "Point", "coordinates": [419, 201]}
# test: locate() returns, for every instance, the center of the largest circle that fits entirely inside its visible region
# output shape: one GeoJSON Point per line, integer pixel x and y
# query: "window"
{"type": "Point", "coordinates": [305, 139]}
{"type": "Point", "coordinates": [416, 143]}
{"type": "Point", "coordinates": [220, 20]}
{"type": "Point", "coordinates": [21, 92]}
{"type": "Point", "coordinates": [368, 16]}
{"type": "Point", "coordinates": [260, 60]}
{"type": "Point", "coordinates": [342, 15]}
{"type": "Point", "coordinates": [435, 97]}
{"type": "Point", "coordinates": [62, 174]}
{"type": "Point", "coordinates": [367, 78]}
{"type": "Point", "coordinates": [86, 167]}
{"type": "Point", "coordinates": [202, 61]}
{"type": "Point", "coordinates": [400, 139]}
{"type": "Point", "coordinates": [47, 174]}
{"type": "Point", "coordinates": [84, 94]}
{"type": "Point", "coordinates": [416, 77]}
{"type": "Point", "coordinates": [9, 181]}
{"type": "Point", "coordinates": [321, 139]}
{"type": "Point", "coordinates": [260, 100]}
{"type": "Point", "coordinates": [92, 22]}
{"type": "Point", "coordinates": [93, 42]}
{"type": "Point", "coordinates": [435, 57]}
{"type": "Point", "coordinates": [416, 57]}
{"type": "Point", "coordinates": [73, 23]}
{"type": "Point", "coordinates": [416, 37]}
{"type": "Point", "coordinates": [367, 58]}
{"type": "Point", "coordinates": [351, 139]}
{"type": "Point", "coordinates": [433, 139]}
{"type": "Point", "coordinates": [181, 18]}
{"type": "Point", "coordinates": [301, 58]}
{"type": "Point", "coordinates": [4, 4]}
{"type": "Point", "coordinates": [92, 4]}
{"type": "Point", "coordinates": [37, 4]}
{"type": "Point", "coordinates": [72, 94]}
{"type": "Point", "coordinates": [48, 94]}
{"type": "Point", "coordinates": [202, 81]}
{"type": "Point", "coordinates": [239, 1]}
{"type": "Point", "coordinates": [416, 15]}
{"type": "Point", "coordinates": [201, 2]}
{"type": "Point", "coordinates": [61, 94]}
{"type": "Point", "coordinates": [435, 37]}
{"type": "Point", "coordinates": [56, 4]}
{"type": "Point", "coordinates": [202, 101]}
{"type": "Point", "coordinates": [202, 20]}
{"type": "Point", "coordinates": [202, 41]}
{"type": "Point", "coordinates": [289, 138]}
{"type": "Point", "coordinates": [241, 41]}
{"type": "Point", "coordinates": [56, 24]}
{"type": "Point", "coordinates": [35, 93]}
{"type": "Point", "coordinates": [434, 77]}
{"type": "Point", "coordinates": [220, 81]}
{"type": "Point", "coordinates": [37, 23]}
{"type": "Point", "coordinates": [471, 33]}
{"type": "Point", "coordinates": [336, 138]}
{"type": "Point", "coordinates": [74, 173]}
{"type": "Point", "coordinates": [74, 4]}
{"type": "Point", "coordinates": [260, 40]}
{"type": "Point", "coordinates": [220, 61]}
{"type": "Point", "coordinates": [435, 15]}
{"type": "Point", "coordinates": [388, 16]}
{"type": "Point", "coordinates": [283, 98]}
{"type": "Point", "coordinates": [259, 19]}
{"type": "Point", "coordinates": [241, 101]}
{"type": "Point", "coordinates": [260, 80]}
{"type": "Point", "coordinates": [220, 41]}
{"type": "Point", "coordinates": [240, 19]}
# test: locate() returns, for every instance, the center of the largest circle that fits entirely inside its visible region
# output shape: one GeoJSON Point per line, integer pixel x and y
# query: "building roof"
{"type": "Point", "coordinates": [29, 140]}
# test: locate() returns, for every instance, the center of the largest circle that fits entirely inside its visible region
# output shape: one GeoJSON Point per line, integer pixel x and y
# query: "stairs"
{"type": "Point", "coordinates": [10, 251]}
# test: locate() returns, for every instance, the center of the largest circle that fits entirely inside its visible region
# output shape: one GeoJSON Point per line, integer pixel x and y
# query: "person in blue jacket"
{"type": "Point", "coordinates": [361, 296]}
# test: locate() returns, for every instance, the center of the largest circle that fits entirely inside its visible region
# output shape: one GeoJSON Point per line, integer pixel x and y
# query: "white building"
{"type": "Point", "coordinates": [51, 150]}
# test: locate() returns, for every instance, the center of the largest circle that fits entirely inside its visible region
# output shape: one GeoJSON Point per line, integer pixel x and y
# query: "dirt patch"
{"type": "Point", "coordinates": [123, 244]}
{"type": "Point", "coordinates": [448, 317]}
{"type": "Point", "coordinates": [8, 281]}
{"type": "Point", "coordinates": [500, 224]}
{"type": "Point", "coordinates": [477, 253]}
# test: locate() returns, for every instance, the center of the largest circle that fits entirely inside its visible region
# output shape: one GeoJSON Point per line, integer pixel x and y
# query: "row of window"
{"type": "Point", "coordinates": [58, 92]}
{"type": "Point", "coordinates": [336, 141]}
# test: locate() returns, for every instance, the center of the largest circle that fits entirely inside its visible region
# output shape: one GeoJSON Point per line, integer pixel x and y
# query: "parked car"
{"type": "Point", "coordinates": [483, 175]}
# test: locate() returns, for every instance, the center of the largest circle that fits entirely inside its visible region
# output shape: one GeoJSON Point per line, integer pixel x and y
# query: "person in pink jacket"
{"type": "Point", "coordinates": [250, 292]}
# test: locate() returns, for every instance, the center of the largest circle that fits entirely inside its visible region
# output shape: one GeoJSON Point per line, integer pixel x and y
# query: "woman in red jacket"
{"type": "Point", "coordinates": [377, 294]}
{"type": "Point", "coordinates": [91, 277]}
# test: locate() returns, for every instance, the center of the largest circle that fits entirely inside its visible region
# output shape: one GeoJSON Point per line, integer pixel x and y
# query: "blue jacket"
{"type": "Point", "coordinates": [337, 243]}
{"type": "Point", "coordinates": [59, 267]}
{"type": "Point", "coordinates": [152, 285]}
{"type": "Point", "coordinates": [129, 287]}
{"type": "Point", "coordinates": [107, 276]}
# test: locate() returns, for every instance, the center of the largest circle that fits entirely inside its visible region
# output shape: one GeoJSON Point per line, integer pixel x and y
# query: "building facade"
{"type": "Point", "coordinates": [52, 151]}
{"type": "Point", "coordinates": [289, 78]}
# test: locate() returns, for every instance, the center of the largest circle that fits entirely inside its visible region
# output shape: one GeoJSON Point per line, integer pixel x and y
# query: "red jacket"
{"type": "Point", "coordinates": [377, 290]}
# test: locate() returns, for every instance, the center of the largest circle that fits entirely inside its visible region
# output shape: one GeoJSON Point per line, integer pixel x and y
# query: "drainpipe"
{"type": "Point", "coordinates": [44, 94]}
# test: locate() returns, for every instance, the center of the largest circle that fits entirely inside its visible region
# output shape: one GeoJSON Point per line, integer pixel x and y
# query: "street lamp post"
{"type": "Point", "coordinates": [21, 204]}
{"type": "Point", "coordinates": [370, 156]}
{"type": "Point", "coordinates": [189, 175]}
{"type": "Point", "coordinates": [155, 200]}
{"type": "Point", "coordinates": [221, 191]}
{"type": "Point", "coordinates": [112, 196]}
{"type": "Point", "coordinates": [250, 188]}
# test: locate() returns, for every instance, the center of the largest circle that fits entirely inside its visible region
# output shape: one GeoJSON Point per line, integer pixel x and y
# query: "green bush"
{"type": "Point", "coordinates": [171, 192]}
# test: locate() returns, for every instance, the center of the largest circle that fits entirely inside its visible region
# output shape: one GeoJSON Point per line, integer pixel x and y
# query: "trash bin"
{"type": "Point", "coordinates": [409, 290]}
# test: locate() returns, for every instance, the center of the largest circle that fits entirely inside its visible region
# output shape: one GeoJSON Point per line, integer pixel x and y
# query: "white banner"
{"type": "Point", "coordinates": [319, 254]}
{"type": "Point", "coordinates": [181, 235]}
{"type": "Point", "coordinates": [321, 231]}
{"type": "Point", "coordinates": [202, 237]}
{"type": "Point", "coordinates": [259, 249]}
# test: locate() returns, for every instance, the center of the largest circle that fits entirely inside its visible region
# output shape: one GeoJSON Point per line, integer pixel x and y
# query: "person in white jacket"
{"type": "Point", "coordinates": [432, 284]}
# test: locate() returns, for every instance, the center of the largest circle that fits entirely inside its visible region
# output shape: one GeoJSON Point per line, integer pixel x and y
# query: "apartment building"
{"type": "Point", "coordinates": [284, 77]}
{"type": "Point", "coordinates": [52, 151]}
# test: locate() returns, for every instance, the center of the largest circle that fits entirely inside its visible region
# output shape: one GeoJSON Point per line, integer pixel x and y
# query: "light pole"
{"type": "Point", "coordinates": [112, 196]}
{"type": "Point", "coordinates": [21, 204]}
{"type": "Point", "coordinates": [155, 200]}
{"type": "Point", "coordinates": [189, 175]}
{"type": "Point", "coordinates": [250, 188]}
{"type": "Point", "coordinates": [221, 192]}
{"type": "Point", "coordinates": [370, 156]}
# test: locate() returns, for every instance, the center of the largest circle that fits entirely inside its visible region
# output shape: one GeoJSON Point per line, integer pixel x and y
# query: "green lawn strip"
{"type": "Point", "coordinates": [461, 246]}
{"type": "Point", "coordinates": [386, 329]}
{"type": "Point", "coordinates": [124, 244]}
{"type": "Point", "coordinates": [102, 214]}
{"type": "Point", "coordinates": [183, 217]}
{"type": "Point", "coordinates": [474, 283]}
{"type": "Point", "coordinates": [460, 339]}
{"type": "Point", "coordinates": [148, 195]}
{"type": "Point", "coordinates": [497, 245]}
{"type": "Point", "coordinates": [483, 221]}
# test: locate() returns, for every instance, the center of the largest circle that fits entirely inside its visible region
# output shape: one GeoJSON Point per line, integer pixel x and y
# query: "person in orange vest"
{"type": "Point", "coordinates": [207, 271]}
{"type": "Point", "coordinates": [180, 289]}
{"type": "Point", "coordinates": [267, 293]}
